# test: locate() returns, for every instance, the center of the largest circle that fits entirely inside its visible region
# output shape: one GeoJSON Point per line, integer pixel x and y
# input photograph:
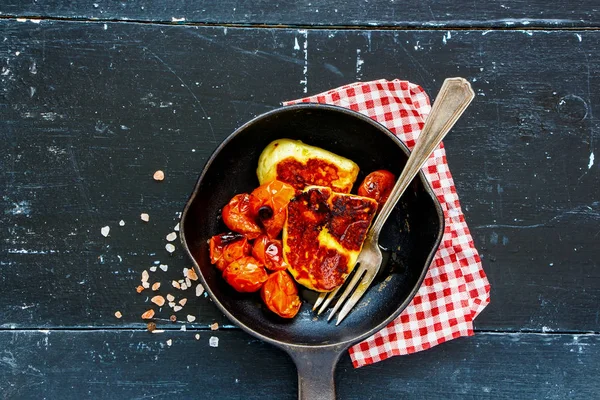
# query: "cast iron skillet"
{"type": "Point", "coordinates": [411, 235]}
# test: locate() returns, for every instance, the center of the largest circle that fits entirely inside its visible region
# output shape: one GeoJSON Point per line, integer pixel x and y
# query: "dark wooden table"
{"type": "Point", "coordinates": [96, 96]}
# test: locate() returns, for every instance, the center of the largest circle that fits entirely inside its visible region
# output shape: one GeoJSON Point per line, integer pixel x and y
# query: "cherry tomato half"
{"type": "Point", "coordinates": [270, 253]}
{"type": "Point", "coordinates": [245, 274]}
{"type": "Point", "coordinates": [228, 247]}
{"type": "Point", "coordinates": [378, 186]}
{"type": "Point", "coordinates": [281, 295]}
{"type": "Point", "coordinates": [271, 208]}
{"type": "Point", "coordinates": [237, 215]}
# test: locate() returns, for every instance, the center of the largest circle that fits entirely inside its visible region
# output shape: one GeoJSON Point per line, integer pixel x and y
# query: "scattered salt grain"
{"type": "Point", "coordinates": [171, 236]}
{"type": "Point", "coordinates": [158, 331]}
{"type": "Point", "coordinates": [139, 289]}
{"type": "Point", "coordinates": [197, 336]}
{"type": "Point", "coordinates": [191, 318]}
{"type": "Point", "coordinates": [199, 290]}
{"type": "Point", "coordinates": [183, 328]}
{"type": "Point", "coordinates": [145, 285]}
{"type": "Point", "coordinates": [169, 342]}
{"type": "Point", "coordinates": [170, 297]}
{"type": "Point", "coordinates": [171, 304]}
{"type": "Point", "coordinates": [145, 276]}
{"type": "Point", "coordinates": [118, 314]}
{"type": "Point", "coordinates": [176, 229]}
{"type": "Point", "coordinates": [104, 231]}
{"type": "Point", "coordinates": [214, 326]}
{"type": "Point", "coordinates": [121, 223]}
{"type": "Point", "coordinates": [158, 300]}
{"type": "Point", "coordinates": [213, 341]}
{"type": "Point", "coordinates": [182, 302]}
{"type": "Point", "coordinates": [188, 282]}
{"type": "Point", "coordinates": [148, 314]}
{"type": "Point", "coordinates": [176, 285]}
{"type": "Point", "coordinates": [159, 175]}
{"type": "Point", "coordinates": [155, 286]}
{"type": "Point", "coordinates": [153, 268]}
{"type": "Point", "coordinates": [170, 248]}
{"type": "Point", "coordinates": [173, 318]}
{"type": "Point", "coordinates": [191, 273]}
{"type": "Point", "coordinates": [177, 308]}
{"type": "Point", "coordinates": [164, 267]}
{"type": "Point", "coordinates": [184, 286]}
{"type": "Point", "coordinates": [145, 217]}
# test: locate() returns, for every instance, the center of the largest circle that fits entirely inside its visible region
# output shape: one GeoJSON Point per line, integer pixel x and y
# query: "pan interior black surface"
{"type": "Point", "coordinates": [410, 235]}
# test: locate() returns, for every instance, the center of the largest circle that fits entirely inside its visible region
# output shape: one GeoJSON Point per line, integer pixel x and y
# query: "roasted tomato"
{"type": "Point", "coordinates": [271, 208]}
{"type": "Point", "coordinates": [378, 185]}
{"type": "Point", "coordinates": [269, 252]}
{"type": "Point", "coordinates": [281, 295]}
{"type": "Point", "coordinates": [238, 217]}
{"type": "Point", "coordinates": [245, 274]}
{"type": "Point", "coordinates": [228, 247]}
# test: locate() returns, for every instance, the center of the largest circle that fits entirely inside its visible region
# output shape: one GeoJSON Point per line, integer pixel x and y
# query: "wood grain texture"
{"type": "Point", "coordinates": [139, 365]}
{"type": "Point", "coordinates": [90, 110]}
{"type": "Point", "coordinates": [413, 13]}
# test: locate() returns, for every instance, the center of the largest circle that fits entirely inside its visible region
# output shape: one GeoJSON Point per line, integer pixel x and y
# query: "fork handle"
{"type": "Point", "coordinates": [452, 100]}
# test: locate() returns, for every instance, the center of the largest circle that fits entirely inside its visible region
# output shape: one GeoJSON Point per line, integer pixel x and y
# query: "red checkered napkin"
{"type": "Point", "coordinates": [455, 289]}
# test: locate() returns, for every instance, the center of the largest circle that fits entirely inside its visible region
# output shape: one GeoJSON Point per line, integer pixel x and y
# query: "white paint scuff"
{"type": "Point", "coordinates": [447, 37]}
{"type": "Point", "coordinates": [304, 82]}
{"type": "Point", "coordinates": [26, 251]}
{"type": "Point", "coordinates": [591, 162]}
{"type": "Point", "coordinates": [20, 208]}
{"type": "Point", "coordinates": [359, 64]}
{"type": "Point", "coordinates": [105, 230]}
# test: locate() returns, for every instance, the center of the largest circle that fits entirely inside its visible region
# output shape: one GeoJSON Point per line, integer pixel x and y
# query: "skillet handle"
{"type": "Point", "coordinates": [316, 368]}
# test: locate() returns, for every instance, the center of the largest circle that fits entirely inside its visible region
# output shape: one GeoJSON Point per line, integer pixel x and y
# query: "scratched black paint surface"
{"type": "Point", "coordinates": [411, 13]}
{"type": "Point", "coordinates": [136, 365]}
{"type": "Point", "coordinates": [90, 110]}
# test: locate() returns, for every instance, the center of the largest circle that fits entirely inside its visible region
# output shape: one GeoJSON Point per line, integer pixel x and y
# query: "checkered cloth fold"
{"type": "Point", "coordinates": [455, 289]}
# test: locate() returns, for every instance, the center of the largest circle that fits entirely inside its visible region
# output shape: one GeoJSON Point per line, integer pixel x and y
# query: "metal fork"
{"type": "Point", "coordinates": [452, 100]}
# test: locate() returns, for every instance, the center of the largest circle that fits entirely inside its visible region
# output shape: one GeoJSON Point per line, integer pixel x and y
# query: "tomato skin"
{"type": "Point", "coordinates": [280, 294]}
{"type": "Point", "coordinates": [270, 253]}
{"type": "Point", "coordinates": [270, 209]}
{"type": "Point", "coordinates": [238, 217]}
{"type": "Point", "coordinates": [377, 185]}
{"type": "Point", "coordinates": [245, 274]}
{"type": "Point", "coordinates": [228, 247]}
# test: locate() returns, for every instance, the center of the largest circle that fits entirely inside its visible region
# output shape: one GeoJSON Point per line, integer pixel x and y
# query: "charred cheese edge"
{"type": "Point", "coordinates": [301, 165]}
{"type": "Point", "coordinates": [323, 236]}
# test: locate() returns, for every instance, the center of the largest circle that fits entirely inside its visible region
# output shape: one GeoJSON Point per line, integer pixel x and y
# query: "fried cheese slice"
{"type": "Point", "coordinates": [301, 165]}
{"type": "Point", "coordinates": [324, 234]}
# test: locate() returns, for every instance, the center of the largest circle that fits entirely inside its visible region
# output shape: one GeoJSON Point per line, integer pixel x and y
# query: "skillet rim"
{"type": "Point", "coordinates": [341, 344]}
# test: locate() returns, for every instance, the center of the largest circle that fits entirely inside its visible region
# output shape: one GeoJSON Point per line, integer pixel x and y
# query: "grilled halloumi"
{"type": "Point", "coordinates": [324, 234]}
{"type": "Point", "coordinates": [301, 165]}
